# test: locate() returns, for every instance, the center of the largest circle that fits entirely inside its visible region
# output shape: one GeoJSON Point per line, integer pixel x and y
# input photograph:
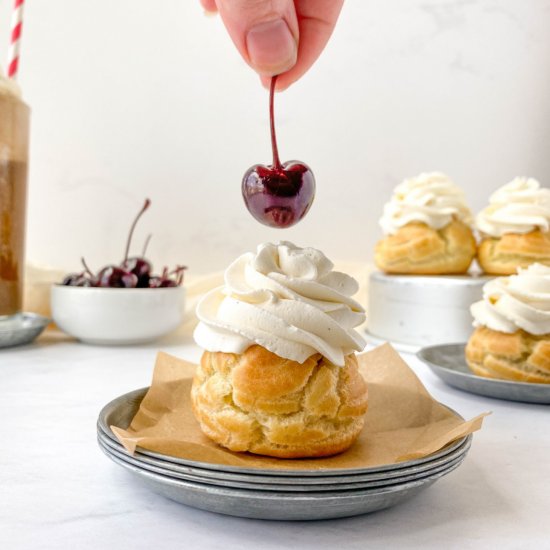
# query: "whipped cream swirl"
{"type": "Point", "coordinates": [519, 301]}
{"type": "Point", "coordinates": [430, 198]}
{"type": "Point", "coordinates": [286, 299]}
{"type": "Point", "coordinates": [8, 86]}
{"type": "Point", "coordinates": [520, 206]}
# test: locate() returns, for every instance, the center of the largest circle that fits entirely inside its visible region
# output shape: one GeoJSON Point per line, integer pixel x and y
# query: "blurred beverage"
{"type": "Point", "coordinates": [14, 141]}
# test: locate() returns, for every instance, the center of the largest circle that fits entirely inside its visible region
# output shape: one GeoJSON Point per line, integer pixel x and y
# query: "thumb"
{"type": "Point", "coordinates": [264, 31]}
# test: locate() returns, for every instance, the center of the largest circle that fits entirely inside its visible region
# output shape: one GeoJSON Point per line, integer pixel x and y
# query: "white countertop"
{"type": "Point", "coordinates": [57, 489]}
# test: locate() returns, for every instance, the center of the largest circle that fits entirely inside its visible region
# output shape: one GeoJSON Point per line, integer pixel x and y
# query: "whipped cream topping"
{"type": "Point", "coordinates": [520, 206]}
{"type": "Point", "coordinates": [286, 299]}
{"type": "Point", "coordinates": [431, 198]}
{"type": "Point", "coordinates": [8, 86]}
{"type": "Point", "coordinates": [519, 301]}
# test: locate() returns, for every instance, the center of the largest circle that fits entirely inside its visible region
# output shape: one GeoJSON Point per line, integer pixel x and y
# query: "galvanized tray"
{"type": "Point", "coordinates": [121, 410]}
{"type": "Point", "coordinates": [292, 485]}
{"type": "Point", "coordinates": [21, 329]}
{"type": "Point", "coordinates": [276, 505]}
{"type": "Point", "coordinates": [448, 362]}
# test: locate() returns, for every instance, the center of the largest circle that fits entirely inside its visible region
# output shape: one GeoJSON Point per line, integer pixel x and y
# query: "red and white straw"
{"type": "Point", "coordinates": [15, 42]}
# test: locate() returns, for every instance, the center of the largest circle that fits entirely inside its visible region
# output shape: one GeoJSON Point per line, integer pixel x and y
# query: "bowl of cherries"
{"type": "Point", "coordinates": [121, 304]}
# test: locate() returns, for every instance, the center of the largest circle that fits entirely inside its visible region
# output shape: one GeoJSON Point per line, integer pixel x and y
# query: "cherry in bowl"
{"type": "Point", "coordinates": [132, 272]}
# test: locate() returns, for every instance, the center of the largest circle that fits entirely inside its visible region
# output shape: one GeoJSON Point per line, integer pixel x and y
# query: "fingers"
{"type": "Point", "coordinates": [265, 32]}
{"type": "Point", "coordinates": [283, 37]}
{"type": "Point", "coordinates": [209, 6]}
{"type": "Point", "coordinates": [316, 19]}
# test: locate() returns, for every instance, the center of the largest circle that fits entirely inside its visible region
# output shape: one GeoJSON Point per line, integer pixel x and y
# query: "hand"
{"type": "Point", "coordinates": [278, 37]}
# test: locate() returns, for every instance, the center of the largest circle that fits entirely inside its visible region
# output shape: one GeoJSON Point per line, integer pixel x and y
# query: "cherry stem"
{"type": "Point", "coordinates": [140, 213]}
{"type": "Point", "coordinates": [86, 268]}
{"type": "Point", "coordinates": [146, 244]}
{"type": "Point", "coordinates": [179, 269]}
{"type": "Point", "coordinates": [276, 161]}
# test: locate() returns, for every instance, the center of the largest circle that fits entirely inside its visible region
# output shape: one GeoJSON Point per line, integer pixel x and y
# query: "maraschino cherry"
{"type": "Point", "coordinates": [278, 195]}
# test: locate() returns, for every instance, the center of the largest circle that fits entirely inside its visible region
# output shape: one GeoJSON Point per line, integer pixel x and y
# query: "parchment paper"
{"type": "Point", "coordinates": [403, 420]}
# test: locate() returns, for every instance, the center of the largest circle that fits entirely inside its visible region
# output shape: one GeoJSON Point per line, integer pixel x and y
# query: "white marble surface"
{"type": "Point", "coordinates": [58, 491]}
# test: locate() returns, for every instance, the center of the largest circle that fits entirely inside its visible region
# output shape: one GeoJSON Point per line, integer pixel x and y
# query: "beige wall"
{"type": "Point", "coordinates": [135, 98]}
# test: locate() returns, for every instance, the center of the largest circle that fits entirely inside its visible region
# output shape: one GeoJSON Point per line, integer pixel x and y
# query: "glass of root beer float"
{"type": "Point", "coordinates": [14, 144]}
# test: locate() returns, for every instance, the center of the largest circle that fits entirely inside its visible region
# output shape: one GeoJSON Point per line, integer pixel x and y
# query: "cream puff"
{"type": "Point", "coordinates": [279, 374]}
{"type": "Point", "coordinates": [512, 336]}
{"type": "Point", "coordinates": [427, 228]}
{"type": "Point", "coordinates": [515, 227]}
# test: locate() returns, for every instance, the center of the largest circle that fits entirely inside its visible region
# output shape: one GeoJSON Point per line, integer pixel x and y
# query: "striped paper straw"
{"type": "Point", "coordinates": [15, 42]}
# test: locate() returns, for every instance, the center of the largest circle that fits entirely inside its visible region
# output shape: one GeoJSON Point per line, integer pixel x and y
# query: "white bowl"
{"type": "Point", "coordinates": [117, 316]}
{"type": "Point", "coordinates": [422, 310]}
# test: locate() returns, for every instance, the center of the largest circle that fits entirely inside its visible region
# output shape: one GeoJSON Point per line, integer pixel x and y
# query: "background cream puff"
{"type": "Point", "coordinates": [512, 336]}
{"type": "Point", "coordinates": [427, 228]}
{"type": "Point", "coordinates": [515, 227]}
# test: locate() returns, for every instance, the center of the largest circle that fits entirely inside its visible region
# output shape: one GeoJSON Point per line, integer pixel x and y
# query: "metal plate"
{"type": "Point", "coordinates": [21, 329]}
{"type": "Point", "coordinates": [276, 505]}
{"type": "Point", "coordinates": [448, 362]}
{"type": "Point", "coordinates": [273, 483]}
{"type": "Point", "coordinates": [121, 410]}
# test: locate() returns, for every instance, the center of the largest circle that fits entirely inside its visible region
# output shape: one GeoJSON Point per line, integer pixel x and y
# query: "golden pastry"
{"type": "Point", "coordinates": [517, 356]}
{"type": "Point", "coordinates": [515, 228]}
{"type": "Point", "coordinates": [259, 402]}
{"type": "Point", "coordinates": [427, 229]}
{"type": "Point", "coordinates": [512, 336]}
{"type": "Point", "coordinates": [418, 249]}
{"type": "Point", "coordinates": [279, 375]}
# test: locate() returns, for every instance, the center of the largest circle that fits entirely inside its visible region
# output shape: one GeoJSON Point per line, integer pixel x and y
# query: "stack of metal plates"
{"type": "Point", "coordinates": [273, 494]}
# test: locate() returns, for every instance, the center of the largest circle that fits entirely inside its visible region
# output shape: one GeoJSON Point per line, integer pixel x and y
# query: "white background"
{"type": "Point", "coordinates": [136, 98]}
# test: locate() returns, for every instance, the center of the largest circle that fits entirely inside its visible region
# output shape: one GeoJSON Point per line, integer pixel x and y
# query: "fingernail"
{"type": "Point", "coordinates": [271, 47]}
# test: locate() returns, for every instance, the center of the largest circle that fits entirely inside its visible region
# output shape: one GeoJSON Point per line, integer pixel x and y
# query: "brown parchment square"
{"type": "Point", "coordinates": [403, 421]}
